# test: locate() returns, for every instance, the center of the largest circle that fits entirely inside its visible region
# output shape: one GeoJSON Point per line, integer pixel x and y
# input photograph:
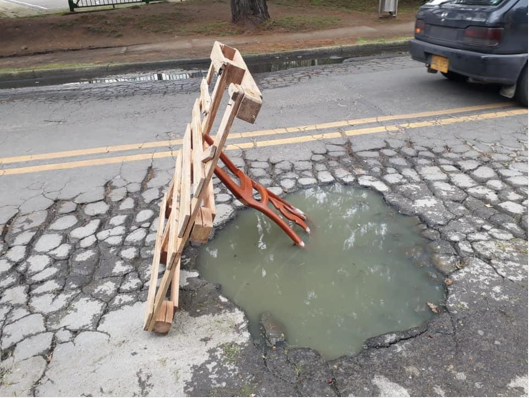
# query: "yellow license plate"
{"type": "Point", "coordinates": [439, 63]}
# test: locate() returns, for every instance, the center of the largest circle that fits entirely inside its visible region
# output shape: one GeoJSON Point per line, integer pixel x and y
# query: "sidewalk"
{"type": "Point", "coordinates": [186, 48]}
{"type": "Point", "coordinates": [63, 41]}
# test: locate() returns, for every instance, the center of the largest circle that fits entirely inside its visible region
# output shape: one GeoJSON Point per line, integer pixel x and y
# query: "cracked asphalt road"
{"type": "Point", "coordinates": [77, 229]}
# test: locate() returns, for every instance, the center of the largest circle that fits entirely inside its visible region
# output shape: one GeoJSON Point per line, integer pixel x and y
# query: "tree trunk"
{"type": "Point", "coordinates": [255, 11]}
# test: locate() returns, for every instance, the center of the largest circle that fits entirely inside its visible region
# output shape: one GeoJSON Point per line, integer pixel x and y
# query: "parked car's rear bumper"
{"type": "Point", "coordinates": [490, 68]}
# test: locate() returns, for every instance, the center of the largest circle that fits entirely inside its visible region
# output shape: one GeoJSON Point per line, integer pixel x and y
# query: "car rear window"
{"type": "Point", "coordinates": [466, 2]}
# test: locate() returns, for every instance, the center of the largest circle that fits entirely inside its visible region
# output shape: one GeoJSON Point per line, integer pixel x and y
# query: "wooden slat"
{"type": "Point", "coordinates": [208, 154]}
{"type": "Point", "coordinates": [252, 102]}
{"type": "Point", "coordinates": [169, 195]}
{"type": "Point", "coordinates": [173, 217]}
{"type": "Point", "coordinates": [231, 74]}
{"type": "Point", "coordinates": [205, 98]}
{"type": "Point", "coordinates": [211, 73]}
{"type": "Point", "coordinates": [248, 83]}
{"type": "Point", "coordinates": [250, 108]}
{"type": "Point", "coordinates": [198, 149]}
{"type": "Point", "coordinates": [185, 186]}
{"type": "Point", "coordinates": [175, 284]}
{"type": "Point", "coordinates": [220, 139]}
{"type": "Point", "coordinates": [209, 200]}
{"type": "Point", "coordinates": [164, 318]}
{"type": "Point", "coordinates": [218, 60]}
{"type": "Point", "coordinates": [155, 263]}
{"type": "Point", "coordinates": [218, 90]}
{"type": "Point", "coordinates": [203, 226]}
{"type": "Point", "coordinates": [227, 51]}
{"type": "Point", "coordinates": [207, 220]}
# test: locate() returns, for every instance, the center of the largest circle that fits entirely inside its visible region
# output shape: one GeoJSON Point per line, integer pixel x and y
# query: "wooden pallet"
{"type": "Point", "coordinates": [188, 208]}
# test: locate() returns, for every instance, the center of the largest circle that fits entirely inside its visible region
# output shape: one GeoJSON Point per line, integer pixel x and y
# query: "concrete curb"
{"type": "Point", "coordinates": [103, 70]}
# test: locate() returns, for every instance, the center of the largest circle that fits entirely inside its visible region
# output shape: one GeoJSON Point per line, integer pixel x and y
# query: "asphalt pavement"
{"type": "Point", "coordinates": [20, 8]}
{"type": "Point", "coordinates": [39, 5]}
{"type": "Point", "coordinates": [82, 169]}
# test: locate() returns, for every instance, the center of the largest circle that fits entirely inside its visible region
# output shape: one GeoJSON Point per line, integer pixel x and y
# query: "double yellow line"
{"type": "Point", "coordinates": [245, 145]}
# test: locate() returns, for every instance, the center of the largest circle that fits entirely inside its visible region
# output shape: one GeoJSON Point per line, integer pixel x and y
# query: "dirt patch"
{"type": "Point", "coordinates": [171, 22]}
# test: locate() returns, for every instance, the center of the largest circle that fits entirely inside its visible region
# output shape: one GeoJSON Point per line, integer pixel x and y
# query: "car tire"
{"type": "Point", "coordinates": [521, 87]}
{"type": "Point", "coordinates": [456, 77]}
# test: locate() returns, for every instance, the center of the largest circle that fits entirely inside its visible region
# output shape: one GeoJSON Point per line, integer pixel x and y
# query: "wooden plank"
{"type": "Point", "coordinates": [203, 226]}
{"type": "Point", "coordinates": [185, 185]}
{"type": "Point", "coordinates": [247, 82]}
{"type": "Point", "coordinates": [250, 108]}
{"type": "Point", "coordinates": [175, 285]}
{"type": "Point", "coordinates": [165, 245]}
{"type": "Point", "coordinates": [169, 204]}
{"type": "Point", "coordinates": [205, 98]}
{"type": "Point", "coordinates": [164, 318]}
{"type": "Point", "coordinates": [218, 91]}
{"type": "Point", "coordinates": [227, 51]}
{"type": "Point", "coordinates": [217, 57]}
{"type": "Point", "coordinates": [173, 217]}
{"type": "Point", "coordinates": [231, 73]}
{"type": "Point", "coordinates": [207, 220]}
{"type": "Point", "coordinates": [220, 139]}
{"type": "Point", "coordinates": [210, 74]}
{"type": "Point", "coordinates": [209, 200]}
{"type": "Point", "coordinates": [155, 264]}
{"type": "Point", "coordinates": [208, 154]}
{"type": "Point", "coordinates": [198, 149]}
{"type": "Point", "coordinates": [221, 62]}
{"type": "Point", "coordinates": [253, 101]}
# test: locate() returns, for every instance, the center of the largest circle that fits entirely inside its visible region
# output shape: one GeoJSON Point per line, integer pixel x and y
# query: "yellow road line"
{"type": "Point", "coordinates": [381, 129]}
{"type": "Point", "coordinates": [284, 141]}
{"type": "Point", "coordinates": [85, 163]}
{"type": "Point", "coordinates": [260, 133]}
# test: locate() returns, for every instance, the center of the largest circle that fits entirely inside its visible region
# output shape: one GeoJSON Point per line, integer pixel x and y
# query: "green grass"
{"type": "Point", "coordinates": [231, 351]}
{"type": "Point", "coordinates": [214, 29]}
{"type": "Point", "coordinates": [299, 369]}
{"type": "Point", "coordinates": [348, 5]}
{"type": "Point", "coordinates": [246, 391]}
{"type": "Point", "coordinates": [363, 40]}
{"type": "Point", "coordinates": [175, 24]}
{"type": "Point", "coordinates": [302, 23]}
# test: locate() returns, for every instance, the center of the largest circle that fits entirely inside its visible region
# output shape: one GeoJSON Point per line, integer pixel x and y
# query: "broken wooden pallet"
{"type": "Point", "coordinates": [187, 210]}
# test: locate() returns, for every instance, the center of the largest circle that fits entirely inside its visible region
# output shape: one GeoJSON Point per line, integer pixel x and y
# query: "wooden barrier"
{"type": "Point", "coordinates": [187, 210]}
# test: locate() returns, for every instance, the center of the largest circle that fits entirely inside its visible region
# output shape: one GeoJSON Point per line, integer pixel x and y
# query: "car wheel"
{"type": "Point", "coordinates": [456, 77]}
{"type": "Point", "coordinates": [521, 87]}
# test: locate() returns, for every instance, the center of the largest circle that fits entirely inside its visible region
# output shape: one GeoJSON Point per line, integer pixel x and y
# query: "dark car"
{"type": "Point", "coordinates": [485, 40]}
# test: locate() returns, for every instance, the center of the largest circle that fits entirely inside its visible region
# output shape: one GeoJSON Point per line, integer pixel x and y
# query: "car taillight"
{"type": "Point", "coordinates": [480, 36]}
{"type": "Point", "coordinates": [419, 27]}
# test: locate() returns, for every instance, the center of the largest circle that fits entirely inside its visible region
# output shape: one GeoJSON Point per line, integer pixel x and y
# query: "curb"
{"type": "Point", "coordinates": [63, 74]}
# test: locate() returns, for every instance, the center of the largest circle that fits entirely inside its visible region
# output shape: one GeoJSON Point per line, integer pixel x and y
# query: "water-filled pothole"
{"type": "Point", "coordinates": [365, 270]}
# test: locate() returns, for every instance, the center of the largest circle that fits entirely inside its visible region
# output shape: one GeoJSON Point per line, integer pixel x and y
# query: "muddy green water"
{"type": "Point", "coordinates": [365, 270]}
